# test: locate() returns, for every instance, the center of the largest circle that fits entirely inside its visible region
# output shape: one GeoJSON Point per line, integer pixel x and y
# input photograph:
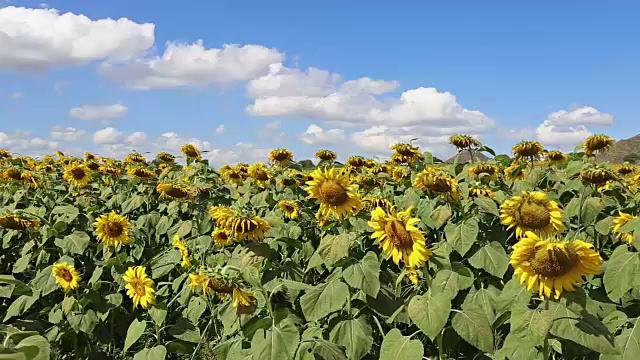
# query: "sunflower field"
{"type": "Point", "coordinates": [532, 255]}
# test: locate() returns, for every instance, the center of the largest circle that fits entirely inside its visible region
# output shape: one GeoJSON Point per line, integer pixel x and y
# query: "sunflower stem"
{"type": "Point", "coordinates": [440, 344]}
{"type": "Point", "coordinates": [545, 350]}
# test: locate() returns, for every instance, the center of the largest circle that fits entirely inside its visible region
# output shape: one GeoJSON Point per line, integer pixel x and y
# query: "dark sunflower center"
{"type": "Point", "coordinates": [440, 184]}
{"type": "Point", "coordinates": [78, 173]}
{"type": "Point", "coordinates": [14, 174]}
{"type": "Point", "coordinates": [281, 156]}
{"type": "Point", "coordinates": [397, 233]}
{"type": "Point", "coordinates": [220, 287]}
{"type": "Point", "coordinates": [326, 157]}
{"type": "Point", "coordinates": [66, 275]}
{"type": "Point", "coordinates": [625, 170]}
{"type": "Point", "coordinates": [176, 192]}
{"type": "Point", "coordinates": [553, 262]}
{"type": "Point", "coordinates": [529, 150]}
{"type": "Point", "coordinates": [533, 215]}
{"type": "Point", "coordinates": [245, 226]}
{"type": "Point", "coordinates": [113, 229]}
{"type": "Point", "coordinates": [288, 208]}
{"type": "Point", "coordinates": [261, 175]}
{"type": "Point", "coordinates": [222, 236]}
{"type": "Point", "coordinates": [333, 193]}
{"type": "Point", "coordinates": [406, 151]}
{"type": "Point", "coordinates": [287, 182]}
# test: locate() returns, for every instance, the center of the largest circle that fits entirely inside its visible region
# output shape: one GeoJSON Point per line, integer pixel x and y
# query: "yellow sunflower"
{"type": "Point", "coordinates": [618, 222]}
{"type": "Point", "coordinates": [200, 279]}
{"type": "Point", "coordinates": [260, 174]}
{"type": "Point", "coordinates": [109, 170]}
{"type": "Point", "coordinates": [551, 266]}
{"type": "Point", "coordinates": [437, 182]}
{"type": "Point", "coordinates": [399, 173]}
{"type": "Point", "coordinates": [289, 208]}
{"type": "Point", "coordinates": [514, 172]}
{"type": "Point", "coordinates": [335, 192]}
{"type": "Point", "coordinates": [462, 141]}
{"type": "Point", "coordinates": [134, 158]}
{"type": "Point", "coordinates": [76, 174]}
{"type": "Point", "coordinates": [405, 153]}
{"type": "Point", "coordinates": [528, 150]}
{"type": "Point", "coordinates": [141, 173]}
{"type": "Point", "coordinates": [165, 157]}
{"type": "Point", "coordinates": [92, 165]}
{"type": "Point", "coordinates": [5, 154]}
{"type": "Point", "coordinates": [625, 169]}
{"type": "Point", "coordinates": [12, 174]}
{"type": "Point", "coordinates": [66, 276]}
{"type": "Point", "coordinates": [484, 172]}
{"type": "Point", "coordinates": [326, 155]}
{"type": "Point", "coordinates": [184, 251]}
{"type": "Point", "coordinates": [173, 191]}
{"type": "Point", "coordinates": [221, 237]}
{"type": "Point", "coordinates": [247, 228]}
{"type": "Point", "coordinates": [475, 191]}
{"type": "Point", "coordinates": [113, 230]}
{"type": "Point", "coordinates": [372, 201]}
{"type": "Point", "coordinates": [556, 157]}
{"type": "Point", "coordinates": [241, 298]}
{"type": "Point", "coordinates": [281, 157]}
{"type": "Point", "coordinates": [191, 152]}
{"type": "Point", "coordinates": [15, 222]}
{"type": "Point", "coordinates": [532, 211]}
{"type": "Point", "coordinates": [232, 175]}
{"type": "Point", "coordinates": [139, 287]}
{"type": "Point", "coordinates": [597, 143]}
{"type": "Point", "coordinates": [399, 238]}
{"type": "Point", "coordinates": [89, 156]}
{"type": "Point", "coordinates": [356, 162]}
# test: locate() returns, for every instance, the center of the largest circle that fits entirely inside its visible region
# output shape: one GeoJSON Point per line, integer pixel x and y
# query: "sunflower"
{"type": "Point", "coordinates": [184, 251]}
{"type": "Point", "coordinates": [221, 214]}
{"type": "Point", "coordinates": [232, 175]}
{"type": "Point", "coordinates": [462, 141]}
{"type": "Point", "coordinates": [552, 266]}
{"type": "Point", "coordinates": [619, 222]}
{"type": "Point", "coordinates": [368, 180]}
{"type": "Point", "coordinates": [399, 173]}
{"type": "Point", "coordinates": [12, 174]}
{"type": "Point", "coordinates": [89, 156]}
{"type": "Point", "coordinates": [556, 157]}
{"type": "Point", "coordinates": [109, 170]}
{"type": "Point", "coordinates": [140, 173]}
{"type": "Point", "coordinates": [260, 174]}
{"type": "Point", "coordinates": [335, 192]}
{"type": "Point", "coordinates": [247, 228]}
{"type": "Point", "coordinates": [625, 169]}
{"type": "Point", "coordinates": [326, 155]}
{"type": "Point", "coordinates": [5, 154]}
{"type": "Point", "coordinates": [356, 162]}
{"type": "Point", "coordinates": [405, 153]}
{"type": "Point", "coordinates": [221, 237]}
{"type": "Point", "coordinates": [66, 276]}
{"type": "Point", "coordinates": [113, 229]}
{"type": "Point", "coordinates": [484, 172]}
{"type": "Point", "coordinates": [76, 174]}
{"type": "Point", "coordinates": [371, 202]}
{"type": "Point", "coordinates": [134, 158]}
{"type": "Point", "coordinates": [475, 191]}
{"type": "Point", "coordinates": [191, 152]}
{"type": "Point", "coordinates": [281, 157]}
{"type": "Point", "coordinates": [173, 190]}
{"type": "Point", "coordinates": [532, 211]}
{"type": "Point", "coordinates": [437, 182]}
{"type": "Point", "coordinates": [381, 168]}
{"type": "Point", "coordinates": [528, 149]}
{"type": "Point", "coordinates": [514, 172]}
{"type": "Point", "coordinates": [399, 238]}
{"type": "Point", "coordinates": [15, 222]}
{"type": "Point", "coordinates": [241, 298]}
{"type": "Point", "coordinates": [597, 143]}
{"type": "Point", "coordinates": [139, 287]}
{"type": "Point", "coordinates": [165, 157]}
{"type": "Point", "coordinates": [46, 168]}
{"type": "Point", "coordinates": [597, 176]}
{"type": "Point", "coordinates": [289, 208]}
{"type": "Point", "coordinates": [200, 279]}
{"type": "Point", "coordinates": [412, 274]}
{"type": "Point", "coordinates": [92, 165]}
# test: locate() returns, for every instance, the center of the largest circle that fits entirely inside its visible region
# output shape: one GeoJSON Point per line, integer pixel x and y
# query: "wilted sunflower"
{"type": "Point", "coordinates": [289, 208]}
{"type": "Point", "coordinates": [399, 173]}
{"type": "Point", "coordinates": [247, 228]}
{"type": "Point", "coordinates": [232, 175]}
{"type": "Point", "coordinates": [485, 172]}
{"type": "Point", "coordinates": [281, 157]}
{"type": "Point", "coordinates": [172, 190]}
{"type": "Point", "coordinates": [66, 276]}
{"type": "Point", "coordinates": [399, 238]}
{"type": "Point", "coordinates": [438, 182]}
{"type": "Point", "coordinates": [514, 172]}
{"type": "Point", "coordinates": [597, 176]}
{"type": "Point", "coordinates": [184, 251]}
{"type": "Point", "coordinates": [221, 214]}
{"type": "Point", "coordinates": [5, 154]}
{"type": "Point", "coordinates": [619, 222]}
{"type": "Point", "coordinates": [556, 157]}
{"type": "Point", "coordinates": [326, 155]}
{"type": "Point", "coordinates": [381, 168]}
{"type": "Point", "coordinates": [551, 266]}
{"type": "Point", "coordinates": [76, 174]}
{"type": "Point", "coordinates": [165, 157]}
{"type": "Point", "coordinates": [475, 191]}
{"type": "Point", "coordinates": [625, 169]}
{"type": "Point", "coordinates": [139, 287]}
{"type": "Point", "coordinates": [532, 211]}
{"type": "Point", "coordinates": [372, 201]}
{"type": "Point", "coordinates": [528, 150]}
{"type": "Point", "coordinates": [260, 174]}
{"type": "Point", "coordinates": [46, 168]}
{"type": "Point", "coordinates": [356, 162]}
{"type": "Point", "coordinates": [201, 279]}
{"type": "Point", "coordinates": [12, 174]}
{"type": "Point", "coordinates": [89, 156]}
{"type": "Point", "coordinates": [191, 152]}
{"type": "Point", "coordinates": [335, 192]}
{"type": "Point", "coordinates": [109, 170]}
{"type": "Point", "coordinates": [241, 298]}
{"type": "Point", "coordinates": [134, 158]}
{"type": "Point", "coordinates": [113, 229]}
{"type": "Point", "coordinates": [221, 237]}
{"type": "Point", "coordinates": [15, 222]}
{"type": "Point", "coordinates": [405, 153]}
{"type": "Point", "coordinates": [597, 143]}
{"type": "Point", "coordinates": [368, 180]}
{"type": "Point", "coordinates": [141, 173]}
{"type": "Point", "coordinates": [462, 141]}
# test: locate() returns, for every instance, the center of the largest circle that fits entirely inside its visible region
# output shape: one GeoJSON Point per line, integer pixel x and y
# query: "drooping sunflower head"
{"type": "Point", "coordinates": [597, 176]}
{"type": "Point", "coordinates": [289, 208]}
{"type": "Point", "coordinates": [405, 153]}
{"type": "Point", "coordinates": [326, 155]}
{"type": "Point", "coordinates": [46, 168]}
{"type": "Point", "coordinates": [109, 170]}
{"type": "Point", "coordinates": [113, 230]}
{"type": "Point", "coordinates": [532, 211]}
{"type": "Point", "coordinates": [597, 143]}
{"type": "Point", "coordinates": [475, 191]}
{"type": "Point", "coordinates": [356, 162]}
{"type": "Point", "coordinates": [191, 151]}
{"type": "Point", "coordinates": [5, 154]}
{"type": "Point", "coordinates": [184, 251]}
{"type": "Point", "coordinates": [399, 238]}
{"type": "Point", "coordinates": [221, 214]}
{"type": "Point", "coordinates": [243, 227]}
{"type": "Point", "coordinates": [528, 149]}
{"type": "Point", "coordinates": [165, 157]}
{"type": "Point", "coordinates": [556, 157]}
{"type": "Point", "coordinates": [241, 298]}
{"type": "Point", "coordinates": [221, 237]}
{"type": "Point", "coordinates": [139, 287]}
{"type": "Point", "coordinates": [437, 182]}
{"type": "Point", "coordinates": [16, 222]}
{"type": "Point", "coordinates": [76, 174]}
{"type": "Point", "coordinates": [626, 169]}
{"type": "Point", "coordinates": [134, 158]}
{"type": "Point", "coordinates": [381, 168]}
{"type": "Point", "coordinates": [89, 156]}
{"type": "Point", "coordinates": [260, 174]}
{"type": "Point", "coordinates": [141, 173]}
{"type": "Point", "coordinates": [399, 173]}
{"type": "Point", "coordinates": [462, 141]}
{"type": "Point", "coordinates": [12, 174]}
{"type": "Point", "coordinates": [335, 192]}
{"type": "Point", "coordinates": [280, 156]}
{"type": "Point", "coordinates": [551, 267]}
{"type": "Point", "coordinates": [368, 180]}
{"type": "Point", "coordinates": [66, 276]}
{"type": "Point", "coordinates": [618, 223]}
{"type": "Point", "coordinates": [484, 172]}
{"type": "Point", "coordinates": [92, 165]}
{"type": "Point", "coordinates": [371, 202]}
{"type": "Point", "coordinates": [515, 171]}
{"type": "Point", "coordinates": [170, 190]}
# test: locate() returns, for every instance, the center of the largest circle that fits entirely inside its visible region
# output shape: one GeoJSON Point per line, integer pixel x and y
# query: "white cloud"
{"type": "Point", "coordinates": [137, 139]}
{"type": "Point", "coordinates": [240, 152]}
{"type": "Point", "coordinates": [107, 136]}
{"type": "Point", "coordinates": [67, 133]}
{"type": "Point", "coordinates": [172, 142]}
{"type": "Point", "coordinates": [379, 139]}
{"type": "Point", "coordinates": [21, 142]}
{"type": "Point", "coordinates": [16, 95]}
{"type": "Point", "coordinates": [220, 129]}
{"type": "Point", "coordinates": [98, 112]}
{"type": "Point", "coordinates": [315, 135]}
{"type": "Point", "coordinates": [273, 125]}
{"type": "Point", "coordinates": [282, 81]}
{"type": "Point", "coordinates": [585, 115]}
{"type": "Point", "coordinates": [557, 135]}
{"type": "Point", "coordinates": [193, 65]}
{"type": "Point", "coordinates": [36, 39]}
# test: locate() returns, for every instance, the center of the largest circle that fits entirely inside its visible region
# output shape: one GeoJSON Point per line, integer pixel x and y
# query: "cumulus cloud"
{"type": "Point", "coordinates": [136, 139]}
{"type": "Point", "coordinates": [554, 135]}
{"type": "Point", "coordinates": [22, 142]}
{"type": "Point", "coordinates": [240, 152]}
{"type": "Point", "coordinates": [220, 129]}
{"type": "Point", "coordinates": [98, 112]}
{"type": "Point", "coordinates": [194, 65]}
{"type": "Point", "coordinates": [568, 128]}
{"type": "Point", "coordinates": [37, 39]}
{"type": "Point", "coordinates": [315, 135]}
{"type": "Point", "coordinates": [108, 136]}
{"type": "Point", "coordinates": [585, 115]}
{"type": "Point", "coordinates": [67, 133]}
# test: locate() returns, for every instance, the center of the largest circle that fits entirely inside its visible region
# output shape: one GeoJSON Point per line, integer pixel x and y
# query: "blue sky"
{"type": "Point", "coordinates": [517, 64]}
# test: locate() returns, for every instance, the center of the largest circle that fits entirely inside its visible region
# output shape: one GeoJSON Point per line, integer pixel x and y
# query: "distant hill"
{"type": "Point", "coordinates": [464, 157]}
{"type": "Point", "coordinates": [623, 151]}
